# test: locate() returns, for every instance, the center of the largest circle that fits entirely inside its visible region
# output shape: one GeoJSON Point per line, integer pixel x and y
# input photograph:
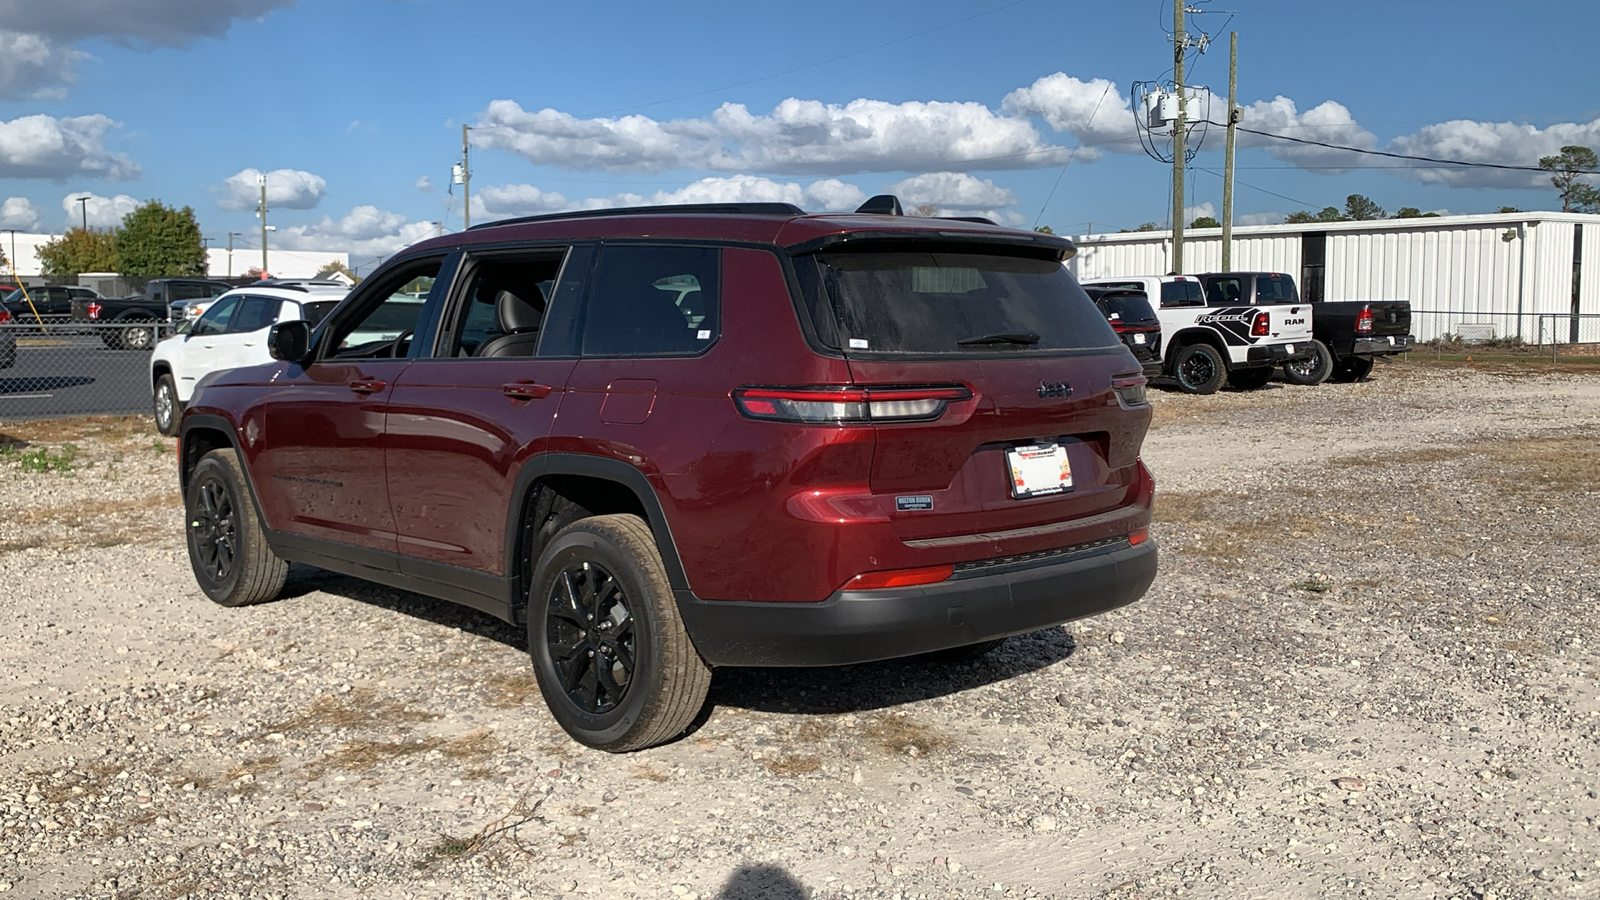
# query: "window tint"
{"type": "Point", "coordinates": [255, 313]}
{"type": "Point", "coordinates": [315, 311]}
{"type": "Point", "coordinates": [215, 320]}
{"type": "Point", "coordinates": [1276, 289]}
{"type": "Point", "coordinates": [387, 314]}
{"type": "Point", "coordinates": [950, 303]}
{"type": "Point", "coordinates": [653, 301]}
{"type": "Point", "coordinates": [181, 291]}
{"type": "Point", "coordinates": [1225, 292]}
{"type": "Point", "coordinates": [1126, 307]}
{"type": "Point", "coordinates": [1182, 293]}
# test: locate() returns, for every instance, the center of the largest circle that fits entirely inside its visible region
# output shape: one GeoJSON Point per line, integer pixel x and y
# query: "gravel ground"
{"type": "Point", "coordinates": [1363, 672]}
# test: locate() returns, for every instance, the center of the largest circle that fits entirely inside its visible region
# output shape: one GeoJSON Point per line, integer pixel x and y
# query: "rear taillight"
{"type": "Point", "coordinates": [4, 315]}
{"type": "Point", "coordinates": [836, 405]}
{"type": "Point", "coordinates": [1138, 536]}
{"type": "Point", "coordinates": [1364, 321]}
{"type": "Point", "coordinates": [94, 310]}
{"type": "Point", "coordinates": [876, 581]}
{"type": "Point", "coordinates": [1262, 325]}
{"type": "Point", "coordinates": [1130, 391]}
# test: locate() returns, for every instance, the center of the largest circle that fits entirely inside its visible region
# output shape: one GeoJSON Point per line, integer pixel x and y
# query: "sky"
{"type": "Point", "coordinates": [1020, 110]}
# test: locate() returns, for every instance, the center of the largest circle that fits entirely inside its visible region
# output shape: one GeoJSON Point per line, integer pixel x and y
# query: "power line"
{"type": "Point", "coordinates": [1261, 189]}
{"type": "Point", "coordinates": [1385, 153]}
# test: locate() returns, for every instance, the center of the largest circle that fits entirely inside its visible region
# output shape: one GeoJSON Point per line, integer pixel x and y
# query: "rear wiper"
{"type": "Point", "coordinates": [1022, 338]}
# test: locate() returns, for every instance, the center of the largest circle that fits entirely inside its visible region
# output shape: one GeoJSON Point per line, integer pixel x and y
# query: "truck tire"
{"type": "Point", "coordinates": [1310, 371]}
{"type": "Point", "coordinates": [1249, 379]}
{"type": "Point", "coordinates": [610, 652]}
{"type": "Point", "coordinates": [136, 334]}
{"type": "Point", "coordinates": [1352, 368]}
{"type": "Point", "coordinates": [1199, 369]}
{"type": "Point", "coordinates": [168, 409]}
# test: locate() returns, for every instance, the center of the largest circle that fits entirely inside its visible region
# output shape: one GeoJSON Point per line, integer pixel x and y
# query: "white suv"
{"type": "Point", "coordinates": [232, 332]}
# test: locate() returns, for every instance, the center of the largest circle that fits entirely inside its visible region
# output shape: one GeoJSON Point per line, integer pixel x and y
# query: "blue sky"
{"type": "Point", "coordinates": [354, 107]}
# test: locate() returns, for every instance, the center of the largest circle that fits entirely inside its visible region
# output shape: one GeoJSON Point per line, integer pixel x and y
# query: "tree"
{"type": "Point", "coordinates": [78, 251]}
{"type": "Point", "coordinates": [1360, 208]}
{"type": "Point", "coordinates": [926, 210]}
{"type": "Point", "coordinates": [1148, 226]}
{"type": "Point", "coordinates": [158, 241]}
{"type": "Point", "coordinates": [1571, 167]}
{"type": "Point", "coordinates": [1411, 212]}
{"type": "Point", "coordinates": [334, 267]}
{"type": "Point", "coordinates": [1330, 214]}
{"type": "Point", "coordinates": [253, 273]}
{"type": "Point", "coordinates": [1508, 209]}
{"type": "Point", "coordinates": [1299, 217]}
{"type": "Point", "coordinates": [1045, 229]}
{"type": "Point", "coordinates": [1205, 222]}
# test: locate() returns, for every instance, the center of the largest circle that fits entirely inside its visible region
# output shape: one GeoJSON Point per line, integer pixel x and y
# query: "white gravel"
{"type": "Point", "coordinates": [1366, 670]}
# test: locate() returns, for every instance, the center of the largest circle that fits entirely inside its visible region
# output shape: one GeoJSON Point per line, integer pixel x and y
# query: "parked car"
{"type": "Point", "coordinates": [138, 317]}
{"type": "Point", "coordinates": [45, 302]}
{"type": "Point", "coordinates": [232, 333]}
{"type": "Point", "coordinates": [1347, 334]}
{"type": "Point", "coordinates": [1212, 336]}
{"type": "Point", "coordinates": [188, 308]}
{"type": "Point", "coordinates": [1134, 321]}
{"type": "Point", "coordinates": [869, 436]}
{"type": "Point", "coordinates": [8, 340]}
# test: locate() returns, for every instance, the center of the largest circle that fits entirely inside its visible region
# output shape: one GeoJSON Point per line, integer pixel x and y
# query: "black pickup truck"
{"type": "Point", "coordinates": [1349, 334]}
{"type": "Point", "coordinates": [138, 316]}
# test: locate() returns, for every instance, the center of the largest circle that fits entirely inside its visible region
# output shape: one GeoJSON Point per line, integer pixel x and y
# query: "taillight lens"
{"type": "Point", "coordinates": [5, 316]}
{"type": "Point", "coordinates": [1364, 321]}
{"type": "Point", "coordinates": [1262, 326]}
{"type": "Point", "coordinates": [826, 405]}
{"type": "Point", "coordinates": [1131, 391]}
{"type": "Point", "coordinates": [875, 581]}
{"type": "Point", "coordinates": [1138, 536]}
{"type": "Point", "coordinates": [94, 310]}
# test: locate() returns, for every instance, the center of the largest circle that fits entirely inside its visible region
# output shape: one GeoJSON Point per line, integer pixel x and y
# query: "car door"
{"type": "Point", "coordinates": [323, 463]}
{"type": "Point", "coordinates": [465, 418]}
{"type": "Point", "coordinates": [244, 342]}
{"type": "Point", "coordinates": [198, 357]}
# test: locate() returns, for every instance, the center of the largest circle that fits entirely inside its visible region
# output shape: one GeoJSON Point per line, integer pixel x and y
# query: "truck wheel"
{"type": "Point", "coordinates": [227, 542]}
{"type": "Point", "coordinates": [1249, 379]}
{"type": "Point", "coordinates": [137, 337]}
{"type": "Point", "coordinates": [610, 652]}
{"type": "Point", "coordinates": [168, 409]}
{"type": "Point", "coordinates": [1310, 371]}
{"type": "Point", "coordinates": [1352, 368]}
{"type": "Point", "coordinates": [1199, 369]}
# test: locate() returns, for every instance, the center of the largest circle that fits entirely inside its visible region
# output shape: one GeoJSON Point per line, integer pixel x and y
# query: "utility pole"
{"type": "Point", "coordinates": [231, 236]}
{"type": "Point", "coordinates": [262, 212]}
{"type": "Point", "coordinates": [1227, 175]}
{"type": "Point", "coordinates": [465, 176]}
{"type": "Point", "coordinates": [83, 204]}
{"type": "Point", "coordinates": [1180, 43]}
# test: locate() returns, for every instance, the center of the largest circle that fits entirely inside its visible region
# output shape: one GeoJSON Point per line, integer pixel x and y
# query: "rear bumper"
{"type": "Point", "coordinates": [864, 626]}
{"type": "Point", "coordinates": [1277, 354]}
{"type": "Point", "coordinates": [1382, 346]}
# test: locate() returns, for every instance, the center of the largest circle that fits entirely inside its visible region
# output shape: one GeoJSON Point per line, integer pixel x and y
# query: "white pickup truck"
{"type": "Point", "coordinates": [1211, 337]}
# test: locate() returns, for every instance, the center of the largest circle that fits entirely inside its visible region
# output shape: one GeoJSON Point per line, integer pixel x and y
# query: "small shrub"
{"type": "Point", "coordinates": [44, 459]}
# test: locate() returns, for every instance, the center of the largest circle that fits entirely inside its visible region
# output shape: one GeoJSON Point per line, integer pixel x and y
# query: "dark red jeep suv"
{"type": "Point", "coordinates": [667, 439]}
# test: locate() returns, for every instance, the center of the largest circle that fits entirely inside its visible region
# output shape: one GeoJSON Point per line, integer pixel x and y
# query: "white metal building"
{"type": "Point", "coordinates": [1504, 275]}
{"type": "Point", "coordinates": [21, 250]}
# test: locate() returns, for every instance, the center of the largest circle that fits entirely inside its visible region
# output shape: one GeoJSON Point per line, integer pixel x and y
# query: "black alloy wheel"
{"type": "Point", "coordinates": [589, 635]}
{"type": "Point", "coordinates": [1199, 369]}
{"type": "Point", "coordinates": [228, 549]}
{"type": "Point", "coordinates": [214, 528]}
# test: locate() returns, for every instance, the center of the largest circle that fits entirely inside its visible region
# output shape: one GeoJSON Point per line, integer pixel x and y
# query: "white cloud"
{"type": "Point", "coordinates": [33, 67]}
{"type": "Point", "coordinates": [511, 200]}
{"type": "Point", "coordinates": [169, 23]}
{"type": "Point", "coordinates": [1095, 112]}
{"type": "Point", "coordinates": [1263, 218]}
{"type": "Point", "coordinates": [1190, 213]}
{"type": "Point", "coordinates": [365, 231]}
{"type": "Point", "coordinates": [46, 147]}
{"type": "Point", "coordinates": [952, 191]}
{"type": "Point", "coordinates": [1329, 122]}
{"type": "Point", "coordinates": [1504, 143]}
{"type": "Point", "coordinates": [424, 184]}
{"type": "Point", "coordinates": [286, 189]}
{"type": "Point", "coordinates": [102, 212]}
{"type": "Point", "coordinates": [828, 194]}
{"type": "Point", "coordinates": [797, 137]}
{"type": "Point", "coordinates": [19, 213]}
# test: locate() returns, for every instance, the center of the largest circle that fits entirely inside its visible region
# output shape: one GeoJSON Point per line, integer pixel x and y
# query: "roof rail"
{"type": "Point", "coordinates": [747, 209]}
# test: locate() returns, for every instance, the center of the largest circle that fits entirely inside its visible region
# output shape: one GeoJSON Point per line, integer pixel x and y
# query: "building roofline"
{"type": "Point", "coordinates": [1495, 219]}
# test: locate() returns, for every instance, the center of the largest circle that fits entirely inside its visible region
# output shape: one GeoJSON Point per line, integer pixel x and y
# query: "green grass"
{"type": "Point", "coordinates": [43, 459]}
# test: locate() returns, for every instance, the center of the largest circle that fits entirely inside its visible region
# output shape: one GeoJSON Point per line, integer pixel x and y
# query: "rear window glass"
{"type": "Point", "coordinates": [1276, 289]}
{"type": "Point", "coordinates": [959, 303]}
{"type": "Point", "coordinates": [1127, 307]}
{"type": "Point", "coordinates": [1182, 293]}
{"type": "Point", "coordinates": [316, 312]}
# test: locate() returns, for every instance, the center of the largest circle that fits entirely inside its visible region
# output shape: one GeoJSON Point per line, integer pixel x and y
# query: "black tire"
{"type": "Point", "coordinates": [606, 569]}
{"type": "Point", "coordinates": [1199, 369]}
{"type": "Point", "coordinates": [168, 410]}
{"type": "Point", "coordinates": [1352, 368]}
{"type": "Point", "coordinates": [1310, 371]}
{"type": "Point", "coordinates": [963, 654]}
{"type": "Point", "coordinates": [227, 543]}
{"type": "Point", "coordinates": [1249, 379]}
{"type": "Point", "coordinates": [136, 334]}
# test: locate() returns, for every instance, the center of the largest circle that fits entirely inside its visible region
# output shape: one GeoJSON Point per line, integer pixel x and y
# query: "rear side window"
{"type": "Point", "coordinates": [317, 311]}
{"type": "Point", "coordinates": [653, 301]}
{"type": "Point", "coordinates": [950, 303]}
{"type": "Point", "coordinates": [1182, 293]}
{"type": "Point", "coordinates": [1276, 289]}
{"type": "Point", "coordinates": [255, 313]}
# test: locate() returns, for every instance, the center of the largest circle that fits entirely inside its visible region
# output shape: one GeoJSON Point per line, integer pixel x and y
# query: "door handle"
{"type": "Point", "coordinates": [368, 387]}
{"type": "Point", "coordinates": [525, 390]}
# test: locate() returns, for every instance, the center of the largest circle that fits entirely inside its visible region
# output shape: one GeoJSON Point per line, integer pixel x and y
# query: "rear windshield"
{"type": "Point", "coordinates": [314, 313]}
{"type": "Point", "coordinates": [922, 303]}
{"type": "Point", "coordinates": [1276, 289]}
{"type": "Point", "coordinates": [1127, 307]}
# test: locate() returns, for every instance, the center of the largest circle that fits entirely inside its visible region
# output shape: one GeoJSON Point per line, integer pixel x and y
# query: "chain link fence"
{"type": "Point", "coordinates": [66, 368]}
{"type": "Point", "coordinates": [1533, 329]}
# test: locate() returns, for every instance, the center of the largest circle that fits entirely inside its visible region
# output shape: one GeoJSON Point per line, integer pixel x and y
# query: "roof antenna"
{"type": "Point", "coordinates": [882, 205]}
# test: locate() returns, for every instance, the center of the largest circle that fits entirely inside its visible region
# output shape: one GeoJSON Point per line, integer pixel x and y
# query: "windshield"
{"type": "Point", "coordinates": [921, 303]}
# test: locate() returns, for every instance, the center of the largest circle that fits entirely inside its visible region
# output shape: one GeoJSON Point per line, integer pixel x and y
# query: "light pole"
{"type": "Point", "coordinates": [262, 212]}
{"type": "Point", "coordinates": [83, 205]}
{"type": "Point", "coordinates": [231, 236]}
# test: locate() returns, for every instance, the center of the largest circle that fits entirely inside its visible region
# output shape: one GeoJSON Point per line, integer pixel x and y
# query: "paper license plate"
{"type": "Point", "coordinates": [1138, 339]}
{"type": "Point", "coordinates": [1038, 470]}
{"type": "Point", "coordinates": [1289, 348]}
{"type": "Point", "coordinates": [1391, 340]}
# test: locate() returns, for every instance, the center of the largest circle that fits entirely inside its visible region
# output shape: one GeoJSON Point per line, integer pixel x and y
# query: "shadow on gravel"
{"type": "Point", "coordinates": [305, 579]}
{"type": "Point", "coordinates": [762, 883]}
{"type": "Point", "coordinates": [870, 686]}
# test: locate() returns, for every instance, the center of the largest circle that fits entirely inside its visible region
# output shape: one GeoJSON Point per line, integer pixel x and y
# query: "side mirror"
{"type": "Point", "coordinates": [290, 341]}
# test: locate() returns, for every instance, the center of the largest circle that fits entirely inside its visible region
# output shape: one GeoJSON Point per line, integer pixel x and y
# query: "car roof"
{"type": "Point", "coordinates": [303, 294]}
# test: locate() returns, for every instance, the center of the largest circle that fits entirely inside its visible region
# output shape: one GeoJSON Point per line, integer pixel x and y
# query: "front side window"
{"type": "Point", "coordinates": [255, 313]}
{"type": "Point", "coordinates": [654, 301]}
{"type": "Point", "coordinates": [383, 320]}
{"type": "Point", "coordinates": [215, 320]}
